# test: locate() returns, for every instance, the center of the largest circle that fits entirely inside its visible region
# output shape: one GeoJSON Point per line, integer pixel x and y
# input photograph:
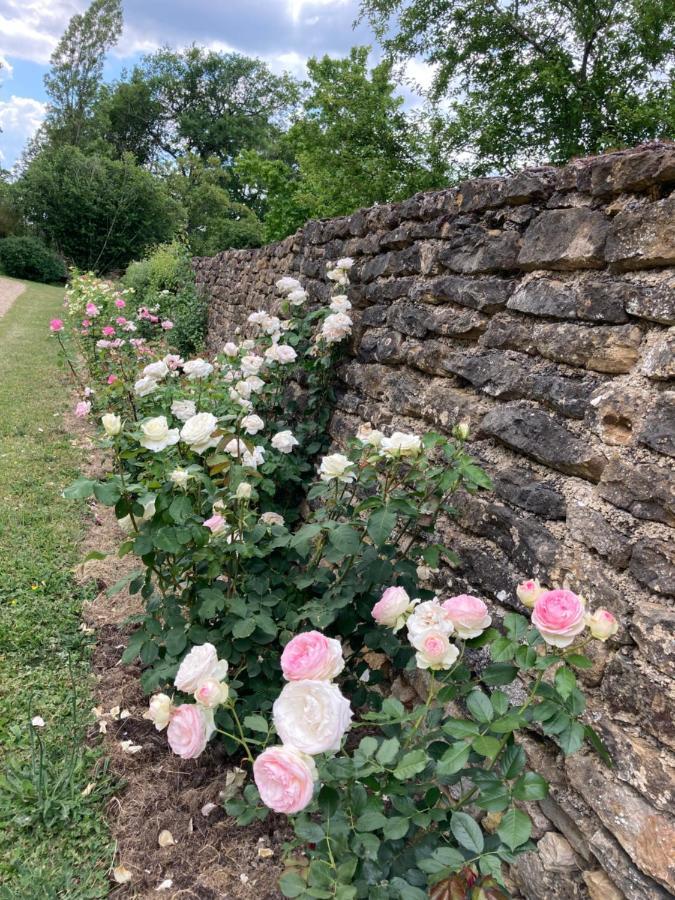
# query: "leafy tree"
{"type": "Point", "coordinates": [77, 68]}
{"type": "Point", "coordinates": [537, 79]}
{"type": "Point", "coordinates": [97, 212]}
{"type": "Point", "coordinates": [127, 113]}
{"type": "Point", "coordinates": [10, 217]}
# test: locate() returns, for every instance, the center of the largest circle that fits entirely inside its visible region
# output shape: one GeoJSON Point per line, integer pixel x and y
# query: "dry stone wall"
{"type": "Point", "coordinates": [539, 308]}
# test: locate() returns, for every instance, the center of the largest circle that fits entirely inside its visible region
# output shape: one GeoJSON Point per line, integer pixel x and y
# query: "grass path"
{"type": "Point", "coordinates": [56, 848]}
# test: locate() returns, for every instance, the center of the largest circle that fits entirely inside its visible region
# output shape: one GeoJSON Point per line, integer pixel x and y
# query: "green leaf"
{"type": "Point", "coordinates": [479, 706]}
{"type": "Point", "coordinates": [515, 828]}
{"type": "Point", "coordinates": [328, 800]}
{"type": "Point", "coordinates": [503, 649]}
{"type": "Point", "coordinates": [243, 628]}
{"type": "Point", "coordinates": [565, 682]}
{"type": "Point", "coordinates": [388, 751]}
{"type": "Point", "coordinates": [257, 723]}
{"type": "Point", "coordinates": [411, 764]}
{"type": "Point", "coordinates": [530, 786]}
{"type": "Point", "coordinates": [579, 660]}
{"type": "Point", "coordinates": [504, 724]}
{"type": "Point", "coordinates": [572, 738]}
{"type": "Point", "coordinates": [368, 746]}
{"type": "Point", "coordinates": [454, 759]}
{"type": "Point", "coordinates": [499, 673]}
{"type": "Point", "coordinates": [512, 761]}
{"type": "Point", "coordinates": [526, 656]}
{"type": "Point", "coordinates": [107, 492]}
{"type": "Point", "coordinates": [80, 489]}
{"type": "Point", "coordinates": [94, 554]}
{"type": "Point", "coordinates": [396, 828]}
{"type": "Point", "coordinates": [486, 746]}
{"type": "Point", "coordinates": [515, 625]}
{"type": "Point", "coordinates": [176, 641]}
{"type": "Point", "coordinates": [459, 728]}
{"type": "Point", "coordinates": [291, 884]}
{"type": "Point", "coordinates": [598, 745]}
{"type": "Point", "coordinates": [346, 539]}
{"type": "Point", "coordinates": [371, 820]}
{"type": "Point", "coordinates": [467, 832]}
{"type": "Point", "coordinates": [494, 798]}
{"type": "Point", "coordinates": [407, 891]}
{"type": "Point", "coordinates": [309, 831]}
{"type": "Point", "coordinates": [380, 525]}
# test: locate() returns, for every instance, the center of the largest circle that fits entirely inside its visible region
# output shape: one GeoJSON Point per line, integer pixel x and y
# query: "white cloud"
{"type": "Point", "coordinates": [20, 118]}
{"type": "Point", "coordinates": [30, 29]}
{"type": "Point", "coordinates": [6, 68]}
{"type": "Point", "coordinates": [295, 7]}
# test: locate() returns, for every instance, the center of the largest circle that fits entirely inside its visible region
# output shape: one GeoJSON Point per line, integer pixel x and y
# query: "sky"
{"type": "Point", "coordinates": [285, 33]}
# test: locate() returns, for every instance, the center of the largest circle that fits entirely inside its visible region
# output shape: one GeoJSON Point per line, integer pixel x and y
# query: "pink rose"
{"type": "Point", "coordinates": [56, 325]}
{"type": "Point", "coordinates": [108, 331]}
{"type": "Point", "coordinates": [212, 693]}
{"type": "Point", "coordinates": [312, 656]}
{"type": "Point", "coordinates": [528, 591]}
{"type": "Point", "coordinates": [434, 650]}
{"type": "Point", "coordinates": [391, 608]}
{"type": "Point", "coordinates": [167, 325]}
{"type": "Point", "coordinates": [602, 624]}
{"type": "Point", "coordinates": [559, 617]}
{"type": "Point", "coordinates": [189, 730]}
{"type": "Point", "coordinates": [469, 615]}
{"type": "Point", "coordinates": [216, 524]}
{"type": "Point", "coordinates": [82, 409]}
{"type": "Point", "coordinates": [86, 323]}
{"type": "Point", "coordinates": [91, 309]}
{"type": "Point", "coordinates": [112, 379]}
{"type": "Point", "coordinates": [121, 320]}
{"type": "Point", "coordinates": [285, 778]}
{"type": "Point", "coordinates": [119, 303]}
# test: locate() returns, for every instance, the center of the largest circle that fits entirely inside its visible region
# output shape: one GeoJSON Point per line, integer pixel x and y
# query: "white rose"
{"type": "Point", "coordinates": [157, 435]}
{"type": "Point", "coordinates": [156, 370]}
{"type": "Point", "coordinates": [243, 491]}
{"type": "Point", "coordinates": [336, 327]}
{"type": "Point", "coordinates": [180, 477]}
{"type": "Point", "coordinates": [272, 325]}
{"type": "Point", "coordinates": [337, 467]}
{"type": "Point", "coordinates": [369, 435]}
{"type": "Point", "coordinates": [281, 353]}
{"type": "Point", "coordinates": [159, 712]}
{"type": "Point", "coordinates": [112, 424]}
{"type": "Point", "coordinates": [339, 276]}
{"type": "Point", "coordinates": [211, 693]}
{"type": "Point", "coordinates": [252, 424]}
{"type": "Point", "coordinates": [312, 716]}
{"type": "Point", "coordinates": [284, 441]}
{"type": "Point", "coordinates": [251, 364]}
{"type": "Point", "coordinates": [183, 409]}
{"type": "Point", "coordinates": [248, 344]}
{"type": "Point", "coordinates": [230, 349]}
{"type": "Point", "coordinates": [126, 523]}
{"type": "Point", "coordinates": [255, 459]}
{"type": "Point", "coordinates": [200, 663]}
{"type": "Point", "coordinates": [287, 284]}
{"type": "Point", "coordinates": [243, 389]}
{"type": "Point", "coordinates": [272, 518]}
{"type": "Point", "coordinates": [197, 368]}
{"type": "Point", "coordinates": [197, 432]}
{"type": "Point", "coordinates": [236, 447]}
{"type": "Point", "coordinates": [297, 297]}
{"type": "Point", "coordinates": [145, 386]}
{"type": "Point", "coordinates": [345, 263]}
{"type": "Point", "coordinates": [401, 444]}
{"type": "Point", "coordinates": [258, 318]}
{"type": "Point", "coordinates": [340, 303]}
{"type": "Point", "coordinates": [428, 616]}
{"type": "Point", "coordinates": [256, 384]}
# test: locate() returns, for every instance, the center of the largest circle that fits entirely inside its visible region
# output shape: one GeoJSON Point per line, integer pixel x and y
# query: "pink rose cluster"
{"type": "Point", "coordinates": [311, 716]}
{"type": "Point", "coordinates": [431, 623]}
{"type": "Point", "coordinates": [560, 616]}
{"type": "Point", "coordinates": [191, 725]}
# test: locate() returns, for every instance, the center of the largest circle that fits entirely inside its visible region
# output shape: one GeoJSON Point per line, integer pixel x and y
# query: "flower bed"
{"type": "Point", "coordinates": [271, 570]}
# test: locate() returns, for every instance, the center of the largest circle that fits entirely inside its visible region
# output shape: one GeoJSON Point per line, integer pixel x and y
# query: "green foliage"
{"type": "Point", "coordinates": [539, 79]}
{"type": "Point", "coordinates": [28, 257]}
{"type": "Point", "coordinates": [99, 213]}
{"type": "Point", "coordinates": [10, 216]}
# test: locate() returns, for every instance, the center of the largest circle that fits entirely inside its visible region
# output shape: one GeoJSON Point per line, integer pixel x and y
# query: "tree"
{"type": "Point", "coordinates": [539, 79]}
{"type": "Point", "coordinates": [74, 80]}
{"type": "Point", "coordinates": [97, 212]}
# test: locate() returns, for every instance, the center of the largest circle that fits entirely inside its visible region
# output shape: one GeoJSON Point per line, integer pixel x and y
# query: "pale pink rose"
{"type": "Point", "coordinates": [428, 616]}
{"type": "Point", "coordinates": [82, 409]}
{"type": "Point", "coordinates": [216, 524]}
{"type": "Point", "coordinates": [86, 323]}
{"type": "Point", "coordinates": [167, 325]}
{"type": "Point", "coordinates": [212, 693]}
{"type": "Point", "coordinates": [390, 610]}
{"type": "Point", "coordinates": [200, 663]}
{"type": "Point", "coordinates": [56, 325]}
{"type": "Point", "coordinates": [312, 716]}
{"type": "Point", "coordinates": [285, 779]}
{"type": "Point", "coordinates": [189, 730]}
{"type": "Point", "coordinates": [120, 320]}
{"type": "Point", "coordinates": [160, 711]}
{"type": "Point", "coordinates": [313, 656]}
{"type": "Point", "coordinates": [434, 650]}
{"type": "Point", "coordinates": [91, 309]}
{"type": "Point", "coordinates": [602, 624]}
{"type": "Point", "coordinates": [469, 615]}
{"type": "Point", "coordinates": [528, 592]}
{"type": "Point", "coordinates": [119, 303]}
{"type": "Point", "coordinates": [559, 617]}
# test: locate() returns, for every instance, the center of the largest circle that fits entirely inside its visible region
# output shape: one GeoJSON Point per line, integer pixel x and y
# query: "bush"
{"type": "Point", "coordinates": [28, 257]}
{"type": "Point", "coordinates": [165, 283]}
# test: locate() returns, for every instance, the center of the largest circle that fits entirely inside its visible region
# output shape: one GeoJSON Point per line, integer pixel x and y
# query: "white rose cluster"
{"type": "Point", "coordinates": [198, 432]}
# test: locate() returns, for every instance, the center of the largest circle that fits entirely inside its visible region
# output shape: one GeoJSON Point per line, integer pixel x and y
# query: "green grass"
{"type": "Point", "coordinates": [61, 849]}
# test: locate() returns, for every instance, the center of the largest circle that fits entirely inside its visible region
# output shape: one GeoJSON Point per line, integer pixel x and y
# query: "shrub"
{"type": "Point", "coordinates": [28, 257]}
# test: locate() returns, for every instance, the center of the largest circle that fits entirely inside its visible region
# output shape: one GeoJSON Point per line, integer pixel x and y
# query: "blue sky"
{"type": "Point", "coordinates": [283, 32]}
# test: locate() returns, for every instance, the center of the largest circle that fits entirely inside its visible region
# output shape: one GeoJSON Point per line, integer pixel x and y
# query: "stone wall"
{"type": "Point", "coordinates": [537, 308]}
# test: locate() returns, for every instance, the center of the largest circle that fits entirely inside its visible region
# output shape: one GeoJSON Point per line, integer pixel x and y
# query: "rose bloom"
{"type": "Point", "coordinates": [212, 693]}
{"type": "Point", "coordinates": [287, 284]}
{"type": "Point", "coordinates": [401, 444]}
{"type": "Point", "coordinates": [428, 616]}
{"type": "Point", "coordinates": [199, 664]}
{"type": "Point", "coordinates": [369, 435]}
{"type": "Point", "coordinates": [183, 409]}
{"type": "Point", "coordinates": [255, 459]}
{"type": "Point", "coordinates": [119, 303]}
{"type": "Point", "coordinates": [336, 327]}
{"type": "Point", "coordinates": [112, 424]}
{"type": "Point", "coordinates": [236, 447]}
{"type": "Point", "coordinates": [230, 349]}
{"type": "Point", "coordinates": [272, 325]}
{"type": "Point", "coordinates": [82, 409]}
{"type": "Point", "coordinates": [251, 364]}
{"type": "Point", "coordinates": [469, 615]}
{"type": "Point", "coordinates": [528, 592]}
{"type": "Point", "coordinates": [312, 656]}
{"type": "Point", "coordinates": [258, 318]}
{"type": "Point", "coordinates": [285, 779]}
{"type": "Point", "coordinates": [255, 384]}
{"type": "Point", "coordinates": [272, 518]}
{"type": "Point", "coordinates": [197, 432]}
{"type": "Point", "coordinates": [111, 379]}
{"type": "Point", "coordinates": [108, 331]}
{"type": "Point", "coordinates": [602, 624]}
{"type": "Point", "coordinates": [346, 262]}
{"type": "Point", "coordinates": [297, 297]}
{"type": "Point", "coordinates": [91, 309]}
{"type": "Point", "coordinates": [157, 435]}
{"type": "Point", "coordinates": [56, 325]}
{"type": "Point", "coordinates": [159, 712]}
{"type": "Point", "coordinates": [392, 607]}
{"type": "Point", "coordinates": [281, 353]}
{"type": "Point", "coordinates": [252, 424]}
{"type": "Point", "coordinates": [340, 303]}
{"type": "Point", "coordinates": [167, 324]}
{"type": "Point", "coordinates": [284, 441]}
{"type": "Point", "coordinates": [241, 389]}
{"type": "Point", "coordinates": [434, 650]}
{"type": "Point", "coordinates": [197, 368]}
{"type": "Point", "coordinates": [156, 370]}
{"type": "Point", "coordinates": [180, 477]}
{"type": "Point", "coordinates": [145, 386]}
{"type": "Point", "coordinates": [216, 524]}
{"type": "Point", "coordinates": [559, 616]}
{"type": "Point", "coordinates": [173, 361]}
{"type": "Point", "coordinates": [339, 276]}
{"type": "Point", "coordinates": [311, 716]}
{"type": "Point", "coordinates": [337, 467]}
{"type": "Point", "coordinates": [189, 730]}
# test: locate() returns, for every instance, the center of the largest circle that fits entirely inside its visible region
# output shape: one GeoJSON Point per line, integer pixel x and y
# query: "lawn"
{"type": "Point", "coordinates": [53, 838]}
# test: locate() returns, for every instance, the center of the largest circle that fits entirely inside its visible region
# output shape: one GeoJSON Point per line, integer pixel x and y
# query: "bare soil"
{"type": "Point", "coordinates": [9, 291]}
